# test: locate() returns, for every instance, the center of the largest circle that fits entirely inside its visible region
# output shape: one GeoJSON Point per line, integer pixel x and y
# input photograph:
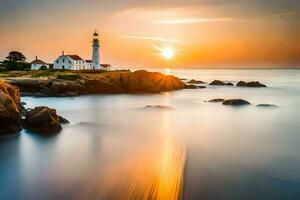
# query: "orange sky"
{"type": "Point", "coordinates": [202, 35]}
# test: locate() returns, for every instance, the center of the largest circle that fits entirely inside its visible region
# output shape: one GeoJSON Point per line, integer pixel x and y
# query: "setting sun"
{"type": "Point", "coordinates": [167, 53]}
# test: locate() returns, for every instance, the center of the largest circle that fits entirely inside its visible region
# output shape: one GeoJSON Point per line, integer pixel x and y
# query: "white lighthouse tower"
{"type": "Point", "coordinates": [96, 51]}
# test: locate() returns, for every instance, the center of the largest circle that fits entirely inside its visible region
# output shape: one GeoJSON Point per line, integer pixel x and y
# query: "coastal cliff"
{"type": "Point", "coordinates": [102, 83]}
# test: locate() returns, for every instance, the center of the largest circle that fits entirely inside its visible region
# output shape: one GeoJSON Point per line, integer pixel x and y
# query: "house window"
{"type": "Point", "coordinates": [57, 61]}
{"type": "Point", "coordinates": [63, 67]}
{"type": "Point", "coordinates": [63, 60]}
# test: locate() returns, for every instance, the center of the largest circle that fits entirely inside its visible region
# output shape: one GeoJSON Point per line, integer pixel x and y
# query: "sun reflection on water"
{"type": "Point", "coordinates": [155, 174]}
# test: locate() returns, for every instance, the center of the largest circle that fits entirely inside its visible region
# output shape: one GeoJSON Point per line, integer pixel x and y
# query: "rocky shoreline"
{"type": "Point", "coordinates": [106, 83]}
{"type": "Point", "coordinates": [43, 120]}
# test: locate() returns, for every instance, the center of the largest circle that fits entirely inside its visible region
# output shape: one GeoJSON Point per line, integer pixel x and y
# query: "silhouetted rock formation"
{"type": "Point", "coordinates": [106, 83]}
{"type": "Point", "coordinates": [10, 109]}
{"type": "Point", "coordinates": [216, 100]}
{"type": "Point", "coordinates": [250, 84]}
{"type": "Point", "coordinates": [190, 87]}
{"type": "Point", "coordinates": [43, 120]}
{"type": "Point", "coordinates": [193, 81]}
{"type": "Point", "coordinates": [235, 102]}
{"type": "Point", "coordinates": [221, 83]}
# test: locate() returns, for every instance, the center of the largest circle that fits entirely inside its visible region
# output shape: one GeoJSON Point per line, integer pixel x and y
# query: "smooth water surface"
{"type": "Point", "coordinates": [115, 148]}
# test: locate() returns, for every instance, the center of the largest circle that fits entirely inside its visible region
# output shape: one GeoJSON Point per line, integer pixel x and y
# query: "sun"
{"type": "Point", "coordinates": [167, 53]}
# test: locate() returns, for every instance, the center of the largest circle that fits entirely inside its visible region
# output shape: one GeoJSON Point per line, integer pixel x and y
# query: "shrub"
{"type": "Point", "coordinates": [43, 67]}
{"type": "Point", "coordinates": [41, 74]}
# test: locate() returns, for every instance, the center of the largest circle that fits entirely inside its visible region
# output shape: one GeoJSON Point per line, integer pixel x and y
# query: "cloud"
{"type": "Point", "coordinates": [198, 20]}
{"type": "Point", "coordinates": [153, 38]}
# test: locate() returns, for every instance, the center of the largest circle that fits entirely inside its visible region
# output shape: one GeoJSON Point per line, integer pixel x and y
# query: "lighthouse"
{"type": "Point", "coordinates": [96, 51]}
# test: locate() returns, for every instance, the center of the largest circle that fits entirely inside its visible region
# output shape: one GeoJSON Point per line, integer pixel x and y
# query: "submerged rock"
{"type": "Point", "coordinates": [10, 109]}
{"type": "Point", "coordinates": [43, 120]}
{"type": "Point", "coordinates": [235, 102]}
{"type": "Point", "coordinates": [250, 84]}
{"type": "Point", "coordinates": [191, 87]}
{"type": "Point", "coordinates": [221, 83]}
{"type": "Point", "coordinates": [158, 107]}
{"type": "Point", "coordinates": [216, 100]}
{"type": "Point", "coordinates": [266, 105]}
{"type": "Point", "coordinates": [193, 81]}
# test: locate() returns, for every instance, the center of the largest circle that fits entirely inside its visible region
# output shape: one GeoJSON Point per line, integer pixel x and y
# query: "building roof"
{"type": "Point", "coordinates": [75, 57]}
{"type": "Point", "coordinates": [89, 61]}
{"type": "Point", "coordinates": [37, 61]}
{"type": "Point", "coordinates": [105, 65]}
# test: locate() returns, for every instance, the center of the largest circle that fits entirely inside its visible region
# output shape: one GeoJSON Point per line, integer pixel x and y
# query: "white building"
{"type": "Point", "coordinates": [75, 62]}
{"type": "Point", "coordinates": [37, 64]}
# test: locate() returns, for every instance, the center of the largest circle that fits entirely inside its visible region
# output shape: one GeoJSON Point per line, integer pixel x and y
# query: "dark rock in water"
{"type": "Point", "coordinates": [42, 120]}
{"type": "Point", "coordinates": [201, 87]}
{"type": "Point", "coordinates": [221, 83]}
{"type": "Point", "coordinates": [266, 105]}
{"type": "Point", "coordinates": [235, 102]}
{"type": "Point", "coordinates": [63, 120]}
{"type": "Point", "coordinates": [190, 87]}
{"type": "Point", "coordinates": [193, 81]}
{"type": "Point", "coordinates": [10, 109]}
{"type": "Point", "coordinates": [241, 84]}
{"type": "Point", "coordinates": [255, 84]}
{"type": "Point", "coordinates": [158, 107]}
{"type": "Point", "coordinates": [229, 84]}
{"type": "Point", "coordinates": [216, 100]}
{"type": "Point", "coordinates": [250, 84]}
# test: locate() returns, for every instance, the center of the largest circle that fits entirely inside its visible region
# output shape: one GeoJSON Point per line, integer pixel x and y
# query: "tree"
{"type": "Point", "coordinates": [44, 67]}
{"type": "Point", "coordinates": [16, 56]}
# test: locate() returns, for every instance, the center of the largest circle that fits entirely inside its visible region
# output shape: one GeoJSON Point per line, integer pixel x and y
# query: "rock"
{"type": "Point", "coordinates": [72, 94]}
{"type": "Point", "coordinates": [158, 107]}
{"type": "Point", "coordinates": [235, 102]}
{"type": "Point", "coordinates": [266, 105]}
{"type": "Point", "coordinates": [241, 84]}
{"type": "Point", "coordinates": [115, 82]}
{"type": "Point", "coordinates": [218, 82]}
{"type": "Point", "coordinates": [190, 86]}
{"type": "Point", "coordinates": [63, 120]}
{"type": "Point", "coordinates": [229, 84]}
{"type": "Point", "coordinates": [201, 87]}
{"type": "Point", "coordinates": [250, 84]}
{"type": "Point", "coordinates": [216, 100]}
{"type": "Point", "coordinates": [193, 81]}
{"type": "Point", "coordinates": [42, 120]}
{"type": "Point", "coordinates": [10, 109]}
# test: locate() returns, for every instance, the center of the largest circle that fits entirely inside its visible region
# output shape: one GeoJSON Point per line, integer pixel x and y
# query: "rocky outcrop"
{"type": "Point", "coordinates": [216, 100]}
{"type": "Point", "coordinates": [102, 83]}
{"type": "Point", "coordinates": [10, 115]}
{"type": "Point", "coordinates": [220, 83]}
{"type": "Point", "coordinates": [235, 102]}
{"type": "Point", "coordinates": [42, 120]}
{"type": "Point", "coordinates": [193, 81]}
{"type": "Point", "coordinates": [250, 84]}
{"type": "Point", "coordinates": [188, 86]}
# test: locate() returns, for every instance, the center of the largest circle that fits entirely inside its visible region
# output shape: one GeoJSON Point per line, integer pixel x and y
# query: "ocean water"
{"type": "Point", "coordinates": [115, 148]}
